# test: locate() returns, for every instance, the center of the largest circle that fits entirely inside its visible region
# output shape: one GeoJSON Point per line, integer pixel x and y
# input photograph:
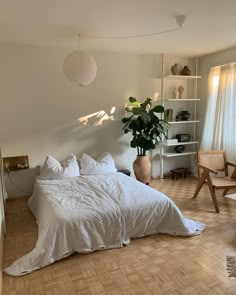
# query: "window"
{"type": "Point", "coordinates": [220, 121]}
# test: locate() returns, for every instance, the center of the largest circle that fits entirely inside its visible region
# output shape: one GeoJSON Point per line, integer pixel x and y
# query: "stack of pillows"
{"type": "Point", "coordinates": [69, 167]}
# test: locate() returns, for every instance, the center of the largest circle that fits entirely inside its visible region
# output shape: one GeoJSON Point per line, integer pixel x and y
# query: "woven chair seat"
{"type": "Point", "coordinates": [223, 181]}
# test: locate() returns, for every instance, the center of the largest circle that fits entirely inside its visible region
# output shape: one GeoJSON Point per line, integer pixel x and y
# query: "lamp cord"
{"type": "Point", "coordinates": [14, 184]}
{"type": "Point", "coordinates": [131, 36]}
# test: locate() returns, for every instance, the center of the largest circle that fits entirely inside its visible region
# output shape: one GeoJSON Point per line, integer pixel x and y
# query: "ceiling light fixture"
{"type": "Point", "coordinates": [80, 67]}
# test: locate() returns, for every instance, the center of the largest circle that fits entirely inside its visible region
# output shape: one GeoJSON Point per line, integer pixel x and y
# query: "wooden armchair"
{"type": "Point", "coordinates": [210, 163]}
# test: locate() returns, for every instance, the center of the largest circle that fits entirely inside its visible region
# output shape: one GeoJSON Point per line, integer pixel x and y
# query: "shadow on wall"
{"type": "Point", "coordinates": [95, 133]}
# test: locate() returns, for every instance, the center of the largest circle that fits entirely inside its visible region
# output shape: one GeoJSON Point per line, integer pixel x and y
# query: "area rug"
{"type": "Point", "coordinates": [231, 265]}
{"type": "Point", "coordinates": [231, 196]}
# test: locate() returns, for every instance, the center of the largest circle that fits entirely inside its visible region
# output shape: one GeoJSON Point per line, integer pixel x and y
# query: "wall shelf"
{"type": "Point", "coordinates": [182, 77]}
{"type": "Point", "coordinates": [169, 155]}
{"type": "Point", "coordinates": [184, 122]}
{"type": "Point", "coordinates": [182, 99]}
{"type": "Point", "coordinates": [179, 143]}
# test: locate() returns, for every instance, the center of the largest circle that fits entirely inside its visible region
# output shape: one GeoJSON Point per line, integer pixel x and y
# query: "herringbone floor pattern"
{"type": "Point", "coordinates": [158, 264]}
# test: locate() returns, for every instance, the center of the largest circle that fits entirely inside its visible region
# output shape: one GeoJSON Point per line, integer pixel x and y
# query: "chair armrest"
{"type": "Point", "coordinates": [207, 168]}
{"type": "Point", "coordinates": [231, 164]}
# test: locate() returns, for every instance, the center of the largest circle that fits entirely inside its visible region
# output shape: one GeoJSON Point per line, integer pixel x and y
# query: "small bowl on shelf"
{"type": "Point", "coordinates": [179, 148]}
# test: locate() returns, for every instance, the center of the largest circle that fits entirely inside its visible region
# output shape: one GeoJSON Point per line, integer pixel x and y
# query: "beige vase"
{"type": "Point", "coordinates": [142, 169]}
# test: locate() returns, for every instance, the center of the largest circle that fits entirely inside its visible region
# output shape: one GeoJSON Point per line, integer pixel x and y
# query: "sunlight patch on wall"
{"type": "Point", "coordinates": [97, 119]}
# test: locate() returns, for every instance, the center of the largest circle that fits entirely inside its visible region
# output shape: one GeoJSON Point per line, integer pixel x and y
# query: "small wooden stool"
{"type": "Point", "coordinates": [179, 173]}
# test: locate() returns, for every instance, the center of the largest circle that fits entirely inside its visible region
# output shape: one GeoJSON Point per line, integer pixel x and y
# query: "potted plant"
{"type": "Point", "coordinates": [147, 130]}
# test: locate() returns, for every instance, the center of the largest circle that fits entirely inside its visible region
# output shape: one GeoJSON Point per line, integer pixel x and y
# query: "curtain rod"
{"type": "Point", "coordinates": [233, 61]}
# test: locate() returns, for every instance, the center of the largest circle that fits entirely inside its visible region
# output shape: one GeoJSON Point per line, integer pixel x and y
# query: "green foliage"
{"type": "Point", "coordinates": [145, 125]}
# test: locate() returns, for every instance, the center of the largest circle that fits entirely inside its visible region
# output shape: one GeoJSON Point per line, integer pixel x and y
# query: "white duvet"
{"type": "Point", "coordinates": [88, 213]}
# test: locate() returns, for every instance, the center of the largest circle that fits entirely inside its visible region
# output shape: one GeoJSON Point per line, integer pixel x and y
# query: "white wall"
{"type": "Point", "coordinates": [40, 109]}
{"type": "Point", "coordinates": [205, 63]}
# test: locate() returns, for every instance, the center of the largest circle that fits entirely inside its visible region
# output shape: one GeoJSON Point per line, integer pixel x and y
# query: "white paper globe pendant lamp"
{"type": "Point", "coordinates": [80, 67]}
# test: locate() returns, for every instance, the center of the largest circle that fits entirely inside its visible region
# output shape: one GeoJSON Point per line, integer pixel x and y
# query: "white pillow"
{"type": "Point", "coordinates": [104, 164]}
{"type": "Point", "coordinates": [53, 169]}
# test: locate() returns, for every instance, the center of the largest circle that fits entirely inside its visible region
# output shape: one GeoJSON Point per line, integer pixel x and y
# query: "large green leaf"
{"type": "Point", "coordinates": [158, 109]}
{"type": "Point", "coordinates": [146, 136]}
{"type": "Point", "coordinates": [134, 102]}
{"type": "Point", "coordinates": [125, 120]}
{"type": "Point", "coordinates": [145, 117]}
{"type": "Point", "coordinates": [132, 99]}
{"type": "Point", "coordinates": [133, 143]}
{"type": "Point", "coordinates": [136, 111]}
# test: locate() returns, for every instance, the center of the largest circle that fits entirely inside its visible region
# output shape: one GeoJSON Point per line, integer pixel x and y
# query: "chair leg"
{"type": "Point", "coordinates": [213, 195]}
{"type": "Point", "coordinates": [225, 191]}
{"type": "Point", "coordinates": [199, 186]}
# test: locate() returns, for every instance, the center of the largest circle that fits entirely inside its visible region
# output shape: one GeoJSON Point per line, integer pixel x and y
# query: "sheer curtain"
{"type": "Point", "coordinates": [220, 122]}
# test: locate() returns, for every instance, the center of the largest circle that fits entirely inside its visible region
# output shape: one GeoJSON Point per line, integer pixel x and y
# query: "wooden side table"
{"type": "Point", "coordinates": [125, 171]}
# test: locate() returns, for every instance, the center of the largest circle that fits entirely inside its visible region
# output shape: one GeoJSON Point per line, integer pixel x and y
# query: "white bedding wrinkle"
{"type": "Point", "coordinates": [88, 213]}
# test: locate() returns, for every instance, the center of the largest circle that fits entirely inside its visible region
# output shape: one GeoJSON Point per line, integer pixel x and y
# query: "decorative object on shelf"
{"type": "Point", "coordinates": [147, 130]}
{"type": "Point", "coordinates": [183, 116]}
{"type": "Point", "coordinates": [186, 71]}
{"type": "Point", "coordinates": [172, 141]}
{"type": "Point", "coordinates": [183, 137]}
{"type": "Point", "coordinates": [156, 96]}
{"type": "Point", "coordinates": [179, 148]}
{"type": "Point", "coordinates": [174, 69]}
{"type": "Point", "coordinates": [168, 115]}
{"type": "Point", "coordinates": [176, 94]}
{"type": "Point", "coordinates": [180, 90]}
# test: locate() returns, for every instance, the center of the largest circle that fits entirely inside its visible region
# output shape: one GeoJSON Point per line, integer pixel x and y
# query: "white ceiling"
{"type": "Point", "coordinates": [210, 24]}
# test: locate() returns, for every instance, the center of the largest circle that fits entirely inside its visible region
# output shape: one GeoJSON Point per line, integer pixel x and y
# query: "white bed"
{"type": "Point", "coordinates": [88, 213]}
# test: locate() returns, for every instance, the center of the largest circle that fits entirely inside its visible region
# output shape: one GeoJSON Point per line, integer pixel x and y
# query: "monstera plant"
{"type": "Point", "coordinates": [147, 131]}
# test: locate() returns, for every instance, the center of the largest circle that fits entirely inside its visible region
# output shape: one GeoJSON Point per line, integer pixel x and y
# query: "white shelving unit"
{"type": "Point", "coordinates": [189, 102]}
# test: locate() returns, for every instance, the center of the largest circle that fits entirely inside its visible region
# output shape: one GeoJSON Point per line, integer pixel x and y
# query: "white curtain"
{"type": "Point", "coordinates": [220, 122]}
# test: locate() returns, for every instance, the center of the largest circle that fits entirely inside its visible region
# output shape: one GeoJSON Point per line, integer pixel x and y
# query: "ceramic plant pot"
{"type": "Point", "coordinates": [142, 169]}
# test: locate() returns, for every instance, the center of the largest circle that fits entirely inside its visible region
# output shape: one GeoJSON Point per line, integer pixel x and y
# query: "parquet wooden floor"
{"type": "Point", "coordinates": [158, 264]}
